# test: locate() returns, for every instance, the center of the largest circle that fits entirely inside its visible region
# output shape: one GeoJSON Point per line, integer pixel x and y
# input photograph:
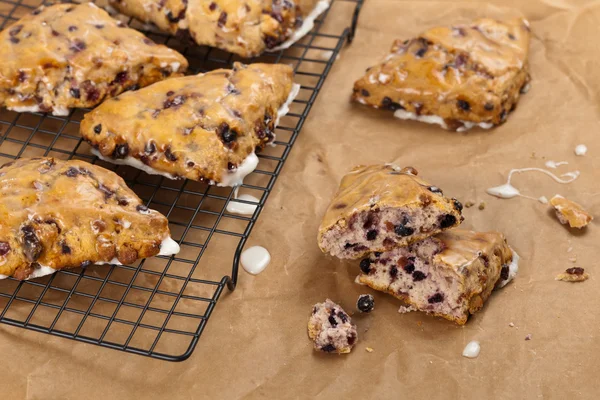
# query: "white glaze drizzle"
{"type": "Point", "coordinates": [236, 207]}
{"type": "Point", "coordinates": [472, 349]}
{"type": "Point", "coordinates": [255, 259]}
{"type": "Point", "coordinates": [168, 247]}
{"type": "Point", "coordinates": [543, 200]}
{"type": "Point", "coordinates": [307, 25]}
{"type": "Point", "coordinates": [555, 164]}
{"type": "Point", "coordinates": [507, 191]}
{"type": "Point", "coordinates": [581, 149]}
{"type": "Point", "coordinates": [437, 120]}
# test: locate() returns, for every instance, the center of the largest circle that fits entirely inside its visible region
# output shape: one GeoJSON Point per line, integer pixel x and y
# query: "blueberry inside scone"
{"type": "Point", "coordinates": [331, 329]}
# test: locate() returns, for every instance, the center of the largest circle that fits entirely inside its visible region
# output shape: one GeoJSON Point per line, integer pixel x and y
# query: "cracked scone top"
{"type": "Point", "coordinates": [204, 127]}
{"type": "Point", "coordinates": [65, 214]}
{"type": "Point", "coordinates": [65, 56]}
{"type": "Point", "coordinates": [244, 27]}
{"type": "Point", "coordinates": [450, 275]}
{"type": "Point", "coordinates": [457, 77]}
{"type": "Point", "coordinates": [380, 207]}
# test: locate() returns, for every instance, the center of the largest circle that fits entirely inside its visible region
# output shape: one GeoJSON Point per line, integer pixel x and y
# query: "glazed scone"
{"type": "Point", "coordinates": [66, 56]}
{"type": "Point", "coordinates": [457, 77]}
{"type": "Point", "coordinates": [243, 27]}
{"type": "Point", "coordinates": [450, 275]}
{"type": "Point", "coordinates": [65, 214]}
{"type": "Point", "coordinates": [569, 212]}
{"type": "Point", "coordinates": [380, 207]}
{"type": "Point", "coordinates": [204, 127]}
{"type": "Point", "coordinates": [331, 329]}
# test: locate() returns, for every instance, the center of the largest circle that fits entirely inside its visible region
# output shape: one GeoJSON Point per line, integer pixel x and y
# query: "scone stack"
{"type": "Point", "coordinates": [400, 227]}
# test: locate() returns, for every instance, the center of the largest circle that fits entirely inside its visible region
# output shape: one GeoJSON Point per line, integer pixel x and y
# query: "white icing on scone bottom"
{"type": "Point", "coordinates": [285, 108]}
{"type": "Point", "coordinates": [235, 207]}
{"type": "Point", "coordinates": [132, 162]}
{"type": "Point", "coordinates": [169, 247]}
{"type": "Point", "coordinates": [307, 25]}
{"type": "Point", "coordinates": [434, 119]}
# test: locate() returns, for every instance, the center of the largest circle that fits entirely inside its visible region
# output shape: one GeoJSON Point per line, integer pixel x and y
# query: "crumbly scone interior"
{"type": "Point", "coordinates": [331, 329]}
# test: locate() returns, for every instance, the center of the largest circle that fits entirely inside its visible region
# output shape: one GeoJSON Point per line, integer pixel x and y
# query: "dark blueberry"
{"type": "Point", "coordinates": [418, 276]}
{"type": "Point", "coordinates": [365, 303]}
{"type": "Point", "coordinates": [76, 93]}
{"type": "Point", "coordinates": [4, 248]}
{"type": "Point", "coordinates": [72, 28]}
{"type": "Point", "coordinates": [365, 265]}
{"type": "Point", "coordinates": [457, 204]}
{"type": "Point", "coordinates": [121, 78]}
{"type": "Point", "coordinates": [447, 220]}
{"type": "Point", "coordinates": [72, 172]}
{"type": "Point", "coordinates": [36, 12]}
{"type": "Point", "coordinates": [14, 40]}
{"type": "Point", "coordinates": [459, 31]}
{"type": "Point", "coordinates": [488, 106]}
{"type": "Point", "coordinates": [141, 208]}
{"type": "Point", "coordinates": [342, 315]}
{"type": "Point", "coordinates": [91, 92]}
{"type": "Point", "coordinates": [277, 16]}
{"type": "Point", "coordinates": [122, 202]}
{"type": "Point", "coordinates": [436, 298]}
{"type": "Point", "coordinates": [486, 260]}
{"type": "Point", "coordinates": [31, 244]}
{"type": "Point", "coordinates": [226, 134]}
{"type": "Point", "coordinates": [332, 321]}
{"type": "Point", "coordinates": [64, 248]}
{"type": "Point", "coordinates": [121, 150]}
{"type": "Point", "coordinates": [86, 263]}
{"type": "Point", "coordinates": [231, 166]}
{"type": "Point", "coordinates": [55, 33]}
{"type": "Point", "coordinates": [271, 41]}
{"type": "Point", "coordinates": [77, 45]}
{"type": "Point", "coordinates": [403, 230]}
{"type": "Point", "coordinates": [418, 108]}
{"type": "Point", "coordinates": [349, 245]}
{"type": "Point", "coordinates": [174, 102]}
{"type": "Point", "coordinates": [232, 90]}
{"type": "Point", "coordinates": [170, 93]}
{"type": "Point", "coordinates": [172, 17]}
{"type": "Point", "coordinates": [421, 52]}
{"type": "Point", "coordinates": [99, 26]}
{"type": "Point", "coordinates": [460, 60]}
{"type": "Point", "coordinates": [169, 154]}
{"type": "Point", "coordinates": [503, 115]}
{"type": "Point", "coordinates": [132, 87]}
{"type": "Point", "coordinates": [329, 348]}
{"type": "Point", "coordinates": [463, 105]}
{"type": "Point", "coordinates": [512, 37]}
{"type": "Point", "coordinates": [191, 164]}
{"type": "Point", "coordinates": [504, 273]}
{"type": "Point", "coordinates": [410, 268]}
{"type": "Point", "coordinates": [15, 30]}
{"type": "Point", "coordinates": [372, 234]}
{"type": "Point", "coordinates": [98, 129]}
{"type": "Point", "coordinates": [351, 338]}
{"type": "Point", "coordinates": [575, 271]}
{"type": "Point", "coordinates": [212, 6]}
{"type": "Point", "coordinates": [22, 76]}
{"type": "Point", "coordinates": [222, 19]}
{"type": "Point", "coordinates": [69, 9]}
{"type": "Point", "coordinates": [148, 42]}
{"type": "Point", "coordinates": [377, 254]}
{"type": "Point", "coordinates": [393, 272]}
{"type": "Point", "coordinates": [435, 189]}
{"type": "Point", "coordinates": [365, 93]}
{"type": "Point", "coordinates": [107, 192]}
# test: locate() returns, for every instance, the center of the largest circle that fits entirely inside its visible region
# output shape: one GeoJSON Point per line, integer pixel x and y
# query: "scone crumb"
{"type": "Point", "coordinates": [528, 337]}
{"type": "Point", "coordinates": [569, 212]}
{"type": "Point", "coordinates": [573, 259]}
{"type": "Point", "coordinates": [368, 349]}
{"type": "Point", "coordinates": [331, 329]}
{"type": "Point", "coordinates": [469, 204]}
{"type": "Point", "coordinates": [406, 309]}
{"type": "Point", "coordinates": [482, 205]}
{"type": "Point", "coordinates": [512, 325]}
{"type": "Point", "coordinates": [419, 323]}
{"type": "Point", "coordinates": [575, 274]}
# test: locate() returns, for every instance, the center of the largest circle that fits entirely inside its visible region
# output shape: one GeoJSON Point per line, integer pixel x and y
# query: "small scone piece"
{"type": "Point", "coordinates": [569, 212]}
{"type": "Point", "coordinates": [450, 275]}
{"type": "Point", "coordinates": [331, 329]}
{"type": "Point", "coordinates": [204, 127]}
{"type": "Point", "coordinates": [65, 214]}
{"type": "Point", "coordinates": [67, 55]}
{"type": "Point", "coordinates": [457, 77]}
{"type": "Point", "coordinates": [380, 207]}
{"type": "Point", "coordinates": [574, 274]}
{"type": "Point", "coordinates": [244, 27]}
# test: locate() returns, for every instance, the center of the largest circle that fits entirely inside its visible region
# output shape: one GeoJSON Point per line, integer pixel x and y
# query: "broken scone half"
{"type": "Point", "coordinates": [243, 27]}
{"type": "Point", "coordinates": [457, 77]}
{"type": "Point", "coordinates": [66, 214]}
{"type": "Point", "coordinates": [380, 207]}
{"type": "Point", "coordinates": [569, 212]}
{"type": "Point", "coordinates": [449, 275]}
{"type": "Point", "coordinates": [204, 127]}
{"type": "Point", "coordinates": [67, 55]}
{"type": "Point", "coordinates": [331, 329]}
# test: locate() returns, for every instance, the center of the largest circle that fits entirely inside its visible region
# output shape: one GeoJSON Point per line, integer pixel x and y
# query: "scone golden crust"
{"type": "Point", "coordinates": [381, 207]}
{"type": "Point", "coordinates": [204, 127]}
{"type": "Point", "coordinates": [569, 212]}
{"type": "Point", "coordinates": [449, 275]}
{"type": "Point", "coordinates": [457, 77]}
{"type": "Point", "coordinates": [247, 27]}
{"type": "Point", "coordinates": [574, 274]}
{"type": "Point", "coordinates": [65, 56]}
{"type": "Point", "coordinates": [331, 329]}
{"type": "Point", "coordinates": [65, 214]}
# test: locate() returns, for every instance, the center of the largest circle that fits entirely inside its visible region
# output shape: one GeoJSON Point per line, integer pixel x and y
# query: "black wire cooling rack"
{"type": "Point", "coordinates": [159, 307]}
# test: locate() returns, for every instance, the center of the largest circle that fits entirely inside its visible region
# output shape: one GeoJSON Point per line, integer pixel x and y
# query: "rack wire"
{"type": "Point", "coordinates": [158, 307]}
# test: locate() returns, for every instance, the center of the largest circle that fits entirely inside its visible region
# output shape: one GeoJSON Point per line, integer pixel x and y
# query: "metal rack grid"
{"type": "Point", "coordinates": [158, 307]}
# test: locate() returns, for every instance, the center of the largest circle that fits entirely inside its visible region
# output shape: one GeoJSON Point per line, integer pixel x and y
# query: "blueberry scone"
{"type": "Point", "coordinates": [449, 275]}
{"type": "Point", "coordinates": [331, 329]}
{"type": "Point", "coordinates": [569, 212]}
{"type": "Point", "coordinates": [66, 56]}
{"type": "Point", "coordinates": [244, 27]}
{"type": "Point", "coordinates": [204, 127]}
{"type": "Point", "coordinates": [380, 207]}
{"type": "Point", "coordinates": [457, 77]}
{"type": "Point", "coordinates": [65, 214]}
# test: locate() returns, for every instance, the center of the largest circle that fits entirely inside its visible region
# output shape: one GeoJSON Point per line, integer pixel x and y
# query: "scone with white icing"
{"type": "Point", "coordinates": [204, 127]}
{"type": "Point", "coordinates": [331, 329]}
{"type": "Point", "coordinates": [569, 212]}
{"type": "Point", "coordinates": [450, 275]}
{"type": "Point", "coordinates": [381, 207]}
{"type": "Point", "coordinates": [57, 215]}
{"type": "Point", "coordinates": [66, 55]}
{"type": "Point", "coordinates": [457, 77]}
{"type": "Point", "coordinates": [244, 27]}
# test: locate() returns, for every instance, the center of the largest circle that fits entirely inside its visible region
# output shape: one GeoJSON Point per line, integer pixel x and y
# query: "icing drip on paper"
{"type": "Point", "coordinates": [507, 191]}
{"type": "Point", "coordinates": [255, 259]}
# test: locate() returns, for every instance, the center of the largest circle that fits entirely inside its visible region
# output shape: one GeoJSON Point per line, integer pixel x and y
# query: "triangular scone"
{"type": "Point", "coordinates": [204, 127]}
{"type": "Point", "coordinates": [457, 77]}
{"type": "Point", "coordinates": [65, 214]}
{"type": "Point", "coordinates": [244, 27]}
{"type": "Point", "coordinates": [449, 275]}
{"type": "Point", "coordinates": [380, 207]}
{"type": "Point", "coordinates": [66, 56]}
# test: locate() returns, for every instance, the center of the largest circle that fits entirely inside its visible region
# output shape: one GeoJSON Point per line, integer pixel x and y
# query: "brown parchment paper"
{"type": "Point", "coordinates": [255, 344]}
